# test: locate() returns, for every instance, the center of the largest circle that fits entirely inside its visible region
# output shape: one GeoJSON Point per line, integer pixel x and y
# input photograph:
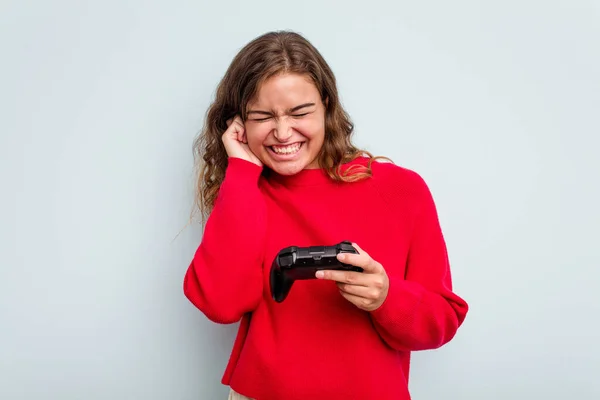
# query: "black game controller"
{"type": "Point", "coordinates": [300, 263]}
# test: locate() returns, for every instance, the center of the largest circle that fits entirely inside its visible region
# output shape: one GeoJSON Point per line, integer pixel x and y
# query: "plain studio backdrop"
{"type": "Point", "coordinates": [496, 104]}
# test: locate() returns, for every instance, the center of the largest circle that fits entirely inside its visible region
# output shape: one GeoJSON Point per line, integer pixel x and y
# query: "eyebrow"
{"type": "Point", "coordinates": [291, 110]}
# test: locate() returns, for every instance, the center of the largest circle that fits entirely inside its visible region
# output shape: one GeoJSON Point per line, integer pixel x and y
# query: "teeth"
{"type": "Point", "coordinates": [292, 148]}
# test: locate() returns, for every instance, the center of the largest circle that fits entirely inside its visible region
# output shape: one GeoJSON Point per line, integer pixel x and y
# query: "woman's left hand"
{"type": "Point", "coordinates": [368, 289]}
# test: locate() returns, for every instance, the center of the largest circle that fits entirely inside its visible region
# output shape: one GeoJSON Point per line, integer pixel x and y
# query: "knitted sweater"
{"type": "Point", "coordinates": [315, 344]}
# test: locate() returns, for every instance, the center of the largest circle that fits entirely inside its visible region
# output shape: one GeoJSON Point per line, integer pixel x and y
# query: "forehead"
{"type": "Point", "coordinates": [285, 90]}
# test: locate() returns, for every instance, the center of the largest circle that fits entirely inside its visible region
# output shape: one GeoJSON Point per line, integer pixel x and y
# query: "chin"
{"type": "Point", "coordinates": [287, 168]}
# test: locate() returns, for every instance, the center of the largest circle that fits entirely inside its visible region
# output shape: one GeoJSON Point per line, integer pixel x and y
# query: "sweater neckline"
{"type": "Point", "coordinates": [311, 177]}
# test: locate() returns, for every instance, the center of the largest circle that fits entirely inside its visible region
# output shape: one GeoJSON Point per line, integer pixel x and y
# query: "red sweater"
{"type": "Point", "coordinates": [317, 345]}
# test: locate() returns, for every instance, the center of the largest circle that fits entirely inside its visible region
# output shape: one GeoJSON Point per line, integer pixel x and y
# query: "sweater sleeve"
{"type": "Point", "coordinates": [421, 311]}
{"type": "Point", "coordinates": [224, 279]}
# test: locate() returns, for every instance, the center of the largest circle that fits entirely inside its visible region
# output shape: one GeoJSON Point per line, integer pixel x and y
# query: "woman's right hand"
{"type": "Point", "coordinates": [236, 143]}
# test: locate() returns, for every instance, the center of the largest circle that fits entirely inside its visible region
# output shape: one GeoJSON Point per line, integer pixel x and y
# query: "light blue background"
{"type": "Point", "coordinates": [496, 104]}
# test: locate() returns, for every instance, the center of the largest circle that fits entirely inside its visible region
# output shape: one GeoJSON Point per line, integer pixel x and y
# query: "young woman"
{"type": "Point", "coordinates": [278, 170]}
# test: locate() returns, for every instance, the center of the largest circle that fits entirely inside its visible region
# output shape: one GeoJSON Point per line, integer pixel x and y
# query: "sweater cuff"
{"type": "Point", "coordinates": [240, 169]}
{"type": "Point", "coordinates": [400, 306]}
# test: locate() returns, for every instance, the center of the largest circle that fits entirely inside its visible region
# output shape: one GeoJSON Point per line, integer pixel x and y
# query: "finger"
{"type": "Point", "coordinates": [241, 135]}
{"type": "Point", "coordinates": [364, 292]}
{"type": "Point", "coordinates": [362, 259]}
{"type": "Point", "coordinates": [235, 131]}
{"type": "Point", "coordinates": [238, 120]}
{"type": "Point", "coordinates": [348, 277]}
{"type": "Point", "coordinates": [239, 129]}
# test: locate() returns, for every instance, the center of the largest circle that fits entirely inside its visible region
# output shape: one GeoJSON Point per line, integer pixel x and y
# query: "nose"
{"type": "Point", "coordinates": [283, 130]}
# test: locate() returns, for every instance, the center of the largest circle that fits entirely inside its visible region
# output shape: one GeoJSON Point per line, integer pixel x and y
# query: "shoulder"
{"type": "Point", "coordinates": [403, 190]}
{"type": "Point", "coordinates": [396, 182]}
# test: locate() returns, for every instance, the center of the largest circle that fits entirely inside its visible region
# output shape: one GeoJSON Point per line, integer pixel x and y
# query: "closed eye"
{"type": "Point", "coordinates": [268, 118]}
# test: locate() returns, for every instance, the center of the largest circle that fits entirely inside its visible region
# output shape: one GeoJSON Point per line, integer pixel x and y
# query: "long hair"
{"type": "Point", "coordinates": [264, 57]}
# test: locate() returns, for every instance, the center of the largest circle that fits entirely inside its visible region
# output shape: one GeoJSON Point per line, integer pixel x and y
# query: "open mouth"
{"type": "Point", "coordinates": [288, 150]}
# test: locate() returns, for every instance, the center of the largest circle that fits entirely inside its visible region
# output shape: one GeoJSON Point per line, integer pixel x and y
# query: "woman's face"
{"type": "Point", "coordinates": [285, 126]}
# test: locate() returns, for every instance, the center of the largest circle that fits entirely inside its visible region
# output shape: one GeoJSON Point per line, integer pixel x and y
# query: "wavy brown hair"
{"type": "Point", "coordinates": [266, 56]}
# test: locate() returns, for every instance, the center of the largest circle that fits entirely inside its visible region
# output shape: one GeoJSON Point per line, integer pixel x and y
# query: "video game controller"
{"type": "Point", "coordinates": [300, 263]}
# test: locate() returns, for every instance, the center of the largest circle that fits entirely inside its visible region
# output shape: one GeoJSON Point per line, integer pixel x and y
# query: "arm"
{"type": "Point", "coordinates": [224, 279]}
{"type": "Point", "coordinates": [420, 311]}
